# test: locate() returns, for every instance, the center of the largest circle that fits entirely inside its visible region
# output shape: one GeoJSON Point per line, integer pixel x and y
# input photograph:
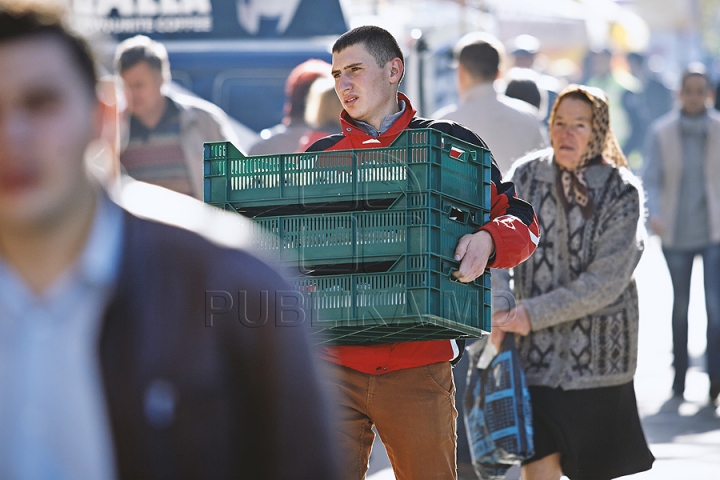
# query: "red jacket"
{"type": "Point", "coordinates": [513, 226]}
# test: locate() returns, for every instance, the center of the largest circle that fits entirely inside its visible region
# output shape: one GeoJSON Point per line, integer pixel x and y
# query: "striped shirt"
{"type": "Point", "coordinates": [155, 155]}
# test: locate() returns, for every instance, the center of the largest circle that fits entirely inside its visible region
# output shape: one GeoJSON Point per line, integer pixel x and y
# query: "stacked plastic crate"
{"type": "Point", "coordinates": [369, 235]}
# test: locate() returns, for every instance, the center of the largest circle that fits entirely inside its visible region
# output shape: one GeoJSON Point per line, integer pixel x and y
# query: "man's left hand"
{"type": "Point", "coordinates": [473, 251]}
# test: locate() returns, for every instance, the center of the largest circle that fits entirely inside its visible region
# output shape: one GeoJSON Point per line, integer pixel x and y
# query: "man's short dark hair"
{"type": "Point", "coordinates": [480, 54]}
{"type": "Point", "coordinates": [138, 49]}
{"type": "Point", "coordinates": [377, 41]}
{"type": "Point", "coordinates": [696, 69]}
{"type": "Point", "coordinates": [524, 89]}
{"type": "Point", "coordinates": [24, 18]}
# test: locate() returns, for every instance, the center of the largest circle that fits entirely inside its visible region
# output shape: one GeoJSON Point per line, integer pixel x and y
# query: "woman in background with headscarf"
{"type": "Point", "coordinates": [574, 304]}
{"type": "Point", "coordinates": [322, 112]}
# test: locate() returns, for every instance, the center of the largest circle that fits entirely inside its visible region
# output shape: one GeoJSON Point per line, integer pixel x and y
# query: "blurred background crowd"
{"type": "Point", "coordinates": [239, 55]}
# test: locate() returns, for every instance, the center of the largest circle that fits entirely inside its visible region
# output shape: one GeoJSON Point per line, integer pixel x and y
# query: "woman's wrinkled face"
{"type": "Point", "coordinates": [571, 132]}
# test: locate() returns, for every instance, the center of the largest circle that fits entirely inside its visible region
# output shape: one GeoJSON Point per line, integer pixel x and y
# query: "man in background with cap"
{"type": "Point", "coordinates": [509, 126]}
{"type": "Point", "coordinates": [524, 51]}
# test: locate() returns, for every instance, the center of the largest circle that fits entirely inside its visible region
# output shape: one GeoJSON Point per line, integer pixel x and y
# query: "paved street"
{"type": "Point", "coordinates": [683, 436]}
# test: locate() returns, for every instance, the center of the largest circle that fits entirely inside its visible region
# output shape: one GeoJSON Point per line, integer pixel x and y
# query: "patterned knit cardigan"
{"type": "Point", "coordinates": [578, 287]}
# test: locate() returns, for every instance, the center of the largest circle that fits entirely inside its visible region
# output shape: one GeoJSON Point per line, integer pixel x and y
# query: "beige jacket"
{"type": "Point", "coordinates": [201, 121]}
{"type": "Point", "coordinates": [509, 126]}
{"type": "Point", "coordinates": [661, 176]}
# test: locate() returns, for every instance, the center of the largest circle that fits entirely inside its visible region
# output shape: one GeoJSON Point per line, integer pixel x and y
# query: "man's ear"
{"type": "Point", "coordinates": [100, 116]}
{"type": "Point", "coordinates": [463, 78]}
{"type": "Point", "coordinates": [396, 70]}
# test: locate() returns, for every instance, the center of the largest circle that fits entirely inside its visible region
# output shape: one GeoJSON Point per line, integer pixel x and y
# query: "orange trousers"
{"type": "Point", "coordinates": [413, 411]}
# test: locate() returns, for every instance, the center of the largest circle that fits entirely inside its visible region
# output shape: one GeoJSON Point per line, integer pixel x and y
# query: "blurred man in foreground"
{"type": "Point", "coordinates": [108, 367]}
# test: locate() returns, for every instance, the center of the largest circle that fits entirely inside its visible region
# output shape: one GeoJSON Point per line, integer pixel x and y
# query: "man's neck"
{"type": "Point", "coordinates": [391, 109]}
{"type": "Point", "coordinates": [468, 83]}
{"type": "Point", "coordinates": [152, 118]}
{"type": "Point", "coordinates": [41, 254]}
{"type": "Point", "coordinates": [385, 123]}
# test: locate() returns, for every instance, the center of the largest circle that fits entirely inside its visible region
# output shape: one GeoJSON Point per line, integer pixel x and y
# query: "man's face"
{"type": "Point", "coordinates": [694, 94]}
{"type": "Point", "coordinates": [143, 87]}
{"type": "Point", "coordinates": [48, 116]}
{"type": "Point", "coordinates": [524, 59]}
{"type": "Point", "coordinates": [601, 63]}
{"type": "Point", "coordinates": [366, 90]}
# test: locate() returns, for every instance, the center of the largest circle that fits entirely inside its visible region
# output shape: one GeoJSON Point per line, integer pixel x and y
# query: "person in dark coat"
{"type": "Point", "coordinates": [129, 347]}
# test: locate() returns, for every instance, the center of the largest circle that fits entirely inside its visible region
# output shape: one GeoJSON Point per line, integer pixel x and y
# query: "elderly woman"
{"type": "Point", "coordinates": [574, 304]}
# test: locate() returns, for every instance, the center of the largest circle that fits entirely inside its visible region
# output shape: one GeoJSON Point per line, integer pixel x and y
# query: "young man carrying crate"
{"type": "Point", "coordinates": [406, 389]}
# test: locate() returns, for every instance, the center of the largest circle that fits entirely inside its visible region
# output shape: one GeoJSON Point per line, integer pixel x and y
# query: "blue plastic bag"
{"type": "Point", "coordinates": [498, 414]}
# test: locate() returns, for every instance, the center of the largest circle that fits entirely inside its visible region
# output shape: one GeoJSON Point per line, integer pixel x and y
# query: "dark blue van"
{"type": "Point", "coordinates": [234, 53]}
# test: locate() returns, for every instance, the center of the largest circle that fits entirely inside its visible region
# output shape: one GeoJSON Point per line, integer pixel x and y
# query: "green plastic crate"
{"type": "Point", "coordinates": [416, 299]}
{"type": "Point", "coordinates": [418, 161]}
{"type": "Point", "coordinates": [415, 223]}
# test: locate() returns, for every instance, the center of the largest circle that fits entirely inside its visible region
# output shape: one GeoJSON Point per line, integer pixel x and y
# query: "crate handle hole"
{"type": "Point", "coordinates": [460, 216]}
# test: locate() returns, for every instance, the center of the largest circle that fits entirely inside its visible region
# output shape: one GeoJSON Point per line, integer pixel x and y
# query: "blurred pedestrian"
{"type": "Point", "coordinates": [406, 389]}
{"type": "Point", "coordinates": [652, 100]}
{"type": "Point", "coordinates": [322, 113]}
{"type": "Point", "coordinates": [524, 51]}
{"type": "Point", "coordinates": [108, 365]}
{"type": "Point", "coordinates": [526, 90]}
{"type": "Point", "coordinates": [165, 131]}
{"type": "Point", "coordinates": [621, 88]}
{"type": "Point", "coordinates": [682, 178]}
{"type": "Point", "coordinates": [574, 304]}
{"type": "Point", "coordinates": [657, 96]}
{"type": "Point", "coordinates": [285, 137]}
{"type": "Point", "coordinates": [509, 126]}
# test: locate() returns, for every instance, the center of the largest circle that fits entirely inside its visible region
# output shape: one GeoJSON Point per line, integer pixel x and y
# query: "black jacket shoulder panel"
{"type": "Point", "coordinates": [325, 143]}
{"type": "Point", "coordinates": [451, 128]}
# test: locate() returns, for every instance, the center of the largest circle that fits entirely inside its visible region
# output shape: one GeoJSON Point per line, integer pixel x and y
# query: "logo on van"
{"type": "Point", "coordinates": [252, 12]}
{"type": "Point", "coordinates": [209, 19]}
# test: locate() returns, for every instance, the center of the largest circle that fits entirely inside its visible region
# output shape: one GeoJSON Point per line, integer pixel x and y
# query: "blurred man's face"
{"type": "Point", "coordinates": [601, 63]}
{"type": "Point", "coordinates": [48, 116]}
{"type": "Point", "coordinates": [694, 95]}
{"type": "Point", "coordinates": [143, 87]}
{"type": "Point", "coordinates": [524, 60]}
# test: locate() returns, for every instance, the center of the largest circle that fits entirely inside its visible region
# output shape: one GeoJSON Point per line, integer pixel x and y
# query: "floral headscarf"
{"type": "Point", "coordinates": [602, 148]}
